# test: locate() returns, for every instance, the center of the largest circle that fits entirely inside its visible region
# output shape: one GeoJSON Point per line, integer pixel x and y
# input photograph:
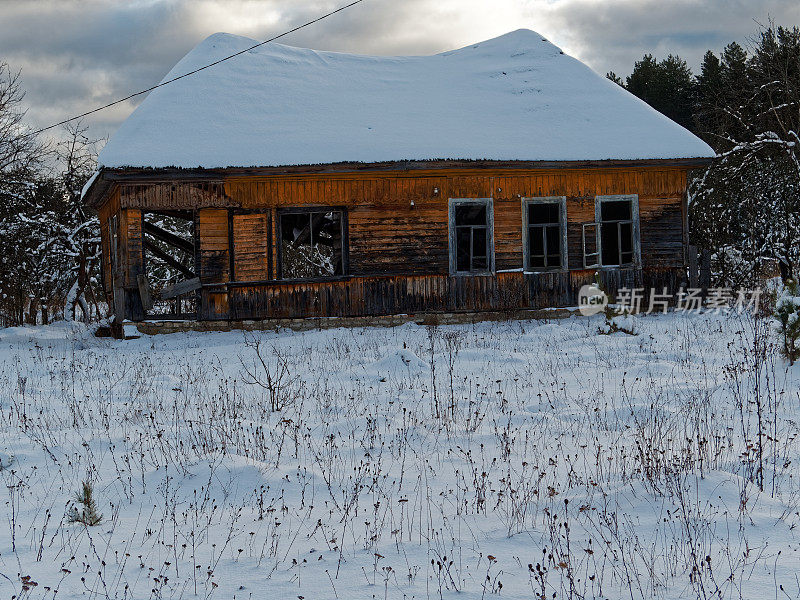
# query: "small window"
{"type": "Point", "coordinates": [545, 241]}
{"type": "Point", "coordinates": [617, 217]}
{"type": "Point", "coordinates": [312, 243]}
{"type": "Point", "coordinates": [471, 236]}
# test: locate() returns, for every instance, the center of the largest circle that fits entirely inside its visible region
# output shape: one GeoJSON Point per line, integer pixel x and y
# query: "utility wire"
{"type": "Point", "coordinates": [216, 62]}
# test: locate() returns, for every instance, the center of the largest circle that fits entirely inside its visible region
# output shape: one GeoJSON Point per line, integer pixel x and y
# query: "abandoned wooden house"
{"type": "Point", "coordinates": [287, 182]}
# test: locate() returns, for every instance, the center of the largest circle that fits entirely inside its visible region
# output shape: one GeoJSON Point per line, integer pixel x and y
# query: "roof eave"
{"type": "Point", "coordinates": [108, 176]}
{"type": "Point", "coordinates": [98, 189]}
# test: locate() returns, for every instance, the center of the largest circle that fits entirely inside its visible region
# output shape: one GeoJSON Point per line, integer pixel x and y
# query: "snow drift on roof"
{"type": "Point", "coordinates": [515, 97]}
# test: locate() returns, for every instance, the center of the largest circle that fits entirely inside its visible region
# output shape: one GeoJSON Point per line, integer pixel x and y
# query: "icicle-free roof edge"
{"type": "Point", "coordinates": [513, 98]}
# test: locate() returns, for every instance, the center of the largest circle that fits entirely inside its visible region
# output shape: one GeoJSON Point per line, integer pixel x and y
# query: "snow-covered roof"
{"type": "Point", "coordinates": [515, 97]}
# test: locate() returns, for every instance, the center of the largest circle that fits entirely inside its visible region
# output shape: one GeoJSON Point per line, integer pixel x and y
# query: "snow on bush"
{"type": "Point", "coordinates": [787, 311]}
{"type": "Point", "coordinates": [508, 460]}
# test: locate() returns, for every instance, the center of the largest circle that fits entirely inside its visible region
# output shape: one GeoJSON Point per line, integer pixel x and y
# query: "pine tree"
{"type": "Point", "coordinates": [643, 80]}
{"type": "Point", "coordinates": [667, 86]}
{"type": "Point", "coordinates": [615, 78]}
{"type": "Point", "coordinates": [87, 514]}
{"type": "Point", "coordinates": [709, 92]}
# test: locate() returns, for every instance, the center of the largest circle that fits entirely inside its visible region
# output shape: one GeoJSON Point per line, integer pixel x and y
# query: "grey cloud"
{"type": "Point", "coordinates": [78, 54]}
{"type": "Point", "coordinates": [611, 35]}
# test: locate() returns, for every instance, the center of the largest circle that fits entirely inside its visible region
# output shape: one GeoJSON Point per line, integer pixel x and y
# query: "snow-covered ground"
{"type": "Point", "coordinates": [508, 460]}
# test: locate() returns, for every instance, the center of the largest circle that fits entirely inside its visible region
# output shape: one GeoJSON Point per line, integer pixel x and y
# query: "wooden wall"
{"type": "Point", "coordinates": [398, 236]}
{"type": "Point", "coordinates": [110, 207]}
{"type": "Point", "coordinates": [371, 296]}
{"type": "Point", "coordinates": [390, 237]}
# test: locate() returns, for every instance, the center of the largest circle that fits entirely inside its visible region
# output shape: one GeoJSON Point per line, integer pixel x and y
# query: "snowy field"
{"type": "Point", "coordinates": [507, 460]}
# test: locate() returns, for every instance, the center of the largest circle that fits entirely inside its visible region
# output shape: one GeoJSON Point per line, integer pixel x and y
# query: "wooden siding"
{"type": "Point", "coordinates": [250, 237]}
{"type": "Point", "coordinates": [398, 236]}
{"type": "Point", "coordinates": [390, 236]}
{"type": "Point", "coordinates": [104, 214]}
{"type": "Point", "coordinates": [211, 226]}
{"type": "Point", "coordinates": [433, 293]}
{"type": "Point", "coordinates": [170, 196]}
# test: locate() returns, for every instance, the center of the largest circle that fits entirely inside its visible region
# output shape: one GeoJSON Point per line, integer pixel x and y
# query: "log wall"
{"type": "Point", "coordinates": [398, 238]}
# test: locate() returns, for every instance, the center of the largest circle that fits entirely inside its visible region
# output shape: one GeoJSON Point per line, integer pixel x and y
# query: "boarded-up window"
{"type": "Point", "coordinates": [312, 243]}
{"type": "Point", "coordinates": [250, 247]}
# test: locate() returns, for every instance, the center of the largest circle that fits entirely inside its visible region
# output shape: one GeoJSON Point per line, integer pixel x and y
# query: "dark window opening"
{"type": "Point", "coordinates": [544, 235]}
{"type": "Point", "coordinates": [170, 285]}
{"type": "Point", "coordinates": [616, 232]}
{"type": "Point", "coordinates": [312, 244]}
{"type": "Point", "coordinates": [471, 238]}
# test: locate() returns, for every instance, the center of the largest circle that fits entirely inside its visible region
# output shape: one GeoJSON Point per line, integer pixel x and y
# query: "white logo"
{"type": "Point", "coordinates": [591, 300]}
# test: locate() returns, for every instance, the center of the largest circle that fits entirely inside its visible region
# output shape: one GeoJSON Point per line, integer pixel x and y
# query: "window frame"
{"type": "Point", "coordinates": [451, 227]}
{"type": "Point", "coordinates": [283, 210]}
{"type": "Point", "coordinates": [636, 241]}
{"type": "Point", "coordinates": [526, 227]}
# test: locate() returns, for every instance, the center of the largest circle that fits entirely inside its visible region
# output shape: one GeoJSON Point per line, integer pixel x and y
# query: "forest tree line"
{"type": "Point", "coordinates": [745, 103]}
{"type": "Point", "coordinates": [744, 209]}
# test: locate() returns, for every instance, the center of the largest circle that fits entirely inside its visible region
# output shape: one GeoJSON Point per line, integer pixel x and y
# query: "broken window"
{"type": "Point", "coordinates": [546, 241]}
{"type": "Point", "coordinates": [616, 232]}
{"type": "Point", "coordinates": [169, 286]}
{"type": "Point", "coordinates": [471, 236]}
{"type": "Point", "coordinates": [312, 244]}
{"type": "Point", "coordinates": [591, 246]}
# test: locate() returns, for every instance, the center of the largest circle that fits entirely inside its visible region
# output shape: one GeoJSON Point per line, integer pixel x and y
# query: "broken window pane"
{"type": "Point", "coordinates": [609, 240]}
{"type": "Point", "coordinates": [615, 210]}
{"type": "Point", "coordinates": [479, 249]}
{"type": "Point", "coordinates": [463, 243]}
{"type": "Point", "coordinates": [543, 213]}
{"type": "Point", "coordinates": [616, 232]}
{"type": "Point", "coordinates": [471, 214]}
{"type": "Point", "coordinates": [311, 244]}
{"type": "Point", "coordinates": [169, 251]}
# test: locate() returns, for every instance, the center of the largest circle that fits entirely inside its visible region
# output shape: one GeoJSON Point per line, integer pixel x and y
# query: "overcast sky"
{"type": "Point", "coordinates": [77, 54]}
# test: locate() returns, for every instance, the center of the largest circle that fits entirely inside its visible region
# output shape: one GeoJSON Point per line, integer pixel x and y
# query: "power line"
{"type": "Point", "coordinates": [216, 62]}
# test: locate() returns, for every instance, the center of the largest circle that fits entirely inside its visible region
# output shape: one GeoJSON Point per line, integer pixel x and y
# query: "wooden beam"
{"type": "Point", "coordinates": [119, 304]}
{"type": "Point", "coordinates": [169, 238]}
{"type": "Point", "coordinates": [159, 253]}
{"type": "Point", "coordinates": [216, 175]}
{"type": "Point", "coordinates": [101, 186]}
{"type": "Point", "coordinates": [144, 292]}
{"type": "Point", "coordinates": [180, 288]}
{"type": "Point", "coordinates": [186, 215]}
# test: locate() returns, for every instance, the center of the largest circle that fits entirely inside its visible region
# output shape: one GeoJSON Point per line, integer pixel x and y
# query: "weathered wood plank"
{"type": "Point", "coordinates": [180, 288]}
{"type": "Point", "coordinates": [144, 292]}
{"type": "Point", "coordinates": [170, 238]}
